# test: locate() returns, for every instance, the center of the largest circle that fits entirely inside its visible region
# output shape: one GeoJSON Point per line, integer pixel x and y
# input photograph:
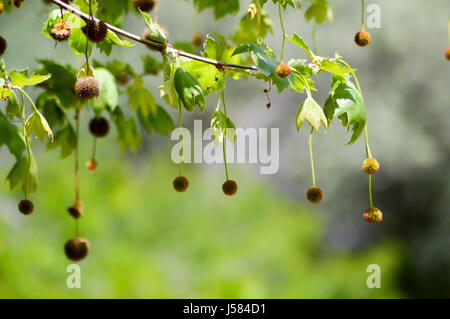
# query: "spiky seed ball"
{"type": "Point", "coordinates": [76, 248]}
{"type": "Point", "coordinates": [196, 40]}
{"type": "Point", "coordinates": [91, 165]}
{"type": "Point", "coordinates": [314, 195]}
{"type": "Point", "coordinates": [76, 210]}
{"type": "Point", "coordinates": [26, 206]}
{"type": "Point", "coordinates": [283, 70]}
{"type": "Point", "coordinates": [230, 187]}
{"type": "Point", "coordinates": [373, 215]}
{"type": "Point", "coordinates": [362, 38]}
{"type": "Point", "coordinates": [87, 87]}
{"type": "Point", "coordinates": [61, 31]}
{"type": "Point", "coordinates": [180, 184]}
{"type": "Point", "coordinates": [447, 53]}
{"type": "Point", "coordinates": [95, 31]}
{"type": "Point", "coordinates": [3, 45]}
{"type": "Point", "coordinates": [99, 127]}
{"type": "Point", "coordinates": [370, 166]}
{"type": "Point", "coordinates": [144, 5]}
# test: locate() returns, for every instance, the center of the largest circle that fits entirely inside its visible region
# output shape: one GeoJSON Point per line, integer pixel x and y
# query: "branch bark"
{"type": "Point", "coordinates": [156, 46]}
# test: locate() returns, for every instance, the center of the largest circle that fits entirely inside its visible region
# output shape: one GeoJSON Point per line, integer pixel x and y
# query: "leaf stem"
{"type": "Point", "coordinates": [314, 37]}
{"type": "Point", "coordinates": [27, 142]}
{"type": "Point", "coordinates": [77, 164]}
{"type": "Point", "coordinates": [282, 28]}
{"type": "Point", "coordinates": [182, 149]}
{"type": "Point", "coordinates": [312, 157]}
{"type": "Point", "coordinates": [370, 191]}
{"type": "Point", "coordinates": [27, 96]}
{"type": "Point", "coordinates": [224, 139]}
{"type": "Point", "coordinates": [362, 14]}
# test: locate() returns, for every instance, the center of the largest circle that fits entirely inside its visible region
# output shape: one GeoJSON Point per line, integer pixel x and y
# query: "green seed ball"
{"type": "Point", "coordinates": [373, 215]}
{"type": "Point", "coordinates": [370, 166]}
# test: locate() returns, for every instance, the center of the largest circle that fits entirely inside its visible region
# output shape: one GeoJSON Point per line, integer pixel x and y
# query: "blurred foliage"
{"type": "Point", "coordinates": [149, 241]}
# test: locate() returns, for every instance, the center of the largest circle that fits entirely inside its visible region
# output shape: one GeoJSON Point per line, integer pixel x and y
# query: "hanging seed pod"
{"type": "Point", "coordinates": [95, 31]}
{"type": "Point", "coordinates": [76, 210]}
{"type": "Point", "coordinates": [26, 206]}
{"type": "Point", "coordinates": [230, 187]}
{"type": "Point", "coordinates": [362, 38]}
{"type": "Point", "coordinates": [3, 45]}
{"type": "Point", "coordinates": [180, 184]}
{"type": "Point", "coordinates": [314, 195]}
{"type": "Point", "coordinates": [144, 5]}
{"type": "Point", "coordinates": [99, 127]}
{"type": "Point", "coordinates": [370, 166]}
{"type": "Point", "coordinates": [373, 215]}
{"type": "Point", "coordinates": [87, 87]}
{"type": "Point", "coordinates": [61, 31]}
{"type": "Point", "coordinates": [77, 248]}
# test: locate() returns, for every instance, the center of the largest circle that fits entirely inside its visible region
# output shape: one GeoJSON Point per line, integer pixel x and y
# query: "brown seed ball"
{"type": "Point", "coordinates": [447, 53]}
{"type": "Point", "coordinates": [91, 165]}
{"type": "Point", "coordinates": [144, 5]}
{"type": "Point", "coordinates": [283, 70]}
{"type": "Point", "coordinates": [26, 206]}
{"type": "Point", "coordinates": [77, 248]}
{"type": "Point", "coordinates": [3, 45]}
{"type": "Point", "coordinates": [87, 87]}
{"type": "Point", "coordinates": [370, 166]}
{"type": "Point", "coordinates": [99, 127]}
{"type": "Point", "coordinates": [373, 215]}
{"type": "Point", "coordinates": [314, 195]}
{"type": "Point", "coordinates": [362, 38]}
{"type": "Point", "coordinates": [230, 187]}
{"type": "Point", "coordinates": [76, 210]}
{"type": "Point", "coordinates": [18, 3]}
{"type": "Point", "coordinates": [180, 184]}
{"type": "Point", "coordinates": [95, 31]}
{"type": "Point", "coordinates": [197, 40]}
{"type": "Point", "coordinates": [61, 31]}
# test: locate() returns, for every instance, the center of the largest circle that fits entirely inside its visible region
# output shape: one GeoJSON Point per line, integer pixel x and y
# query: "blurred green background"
{"type": "Point", "coordinates": [268, 241]}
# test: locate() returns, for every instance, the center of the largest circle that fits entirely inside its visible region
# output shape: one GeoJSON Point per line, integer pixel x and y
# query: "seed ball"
{"type": "Point", "coordinates": [77, 248]}
{"type": "Point", "coordinates": [144, 5]}
{"type": "Point", "coordinates": [283, 70]}
{"type": "Point", "coordinates": [447, 53]}
{"type": "Point", "coordinates": [26, 206]}
{"type": "Point", "coordinates": [3, 45]}
{"type": "Point", "coordinates": [362, 38]}
{"type": "Point", "coordinates": [230, 187]}
{"type": "Point", "coordinates": [314, 195]}
{"type": "Point", "coordinates": [95, 31]}
{"type": "Point", "coordinates": [373, 215]}
{"type": "Point", "coordinates": [180, 184]}
{"type": "Point", "coordinates": [76, 210]}
{"type": "Point", "coordinates": [99, 127]}
{"type": "Point", "coordinates": [91, 165]}
{"type": "Point", "coordinates": [370, 166]}
{"type": "Point", "coordinates": [18, 3]}
{"type": "Point", "coordinates": [2, 7]}
{"type": "Point", "coordinates": [61, 31]}
{"type": "Point", "coordinates": [196, 40]}
{"type": "Point", "coordinates": [87, 87]}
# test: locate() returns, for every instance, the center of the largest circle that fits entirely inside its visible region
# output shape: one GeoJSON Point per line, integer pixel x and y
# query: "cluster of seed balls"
{"type": "Point", "coordinates": [181, 184]}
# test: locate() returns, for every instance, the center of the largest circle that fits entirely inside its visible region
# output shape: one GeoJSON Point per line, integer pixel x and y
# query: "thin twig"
{"type": "Point", "coordinates": [155, 45]}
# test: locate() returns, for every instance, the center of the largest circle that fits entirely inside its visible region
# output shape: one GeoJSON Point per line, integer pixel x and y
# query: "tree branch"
{"type": "Point", "coordinates": [154, 45]}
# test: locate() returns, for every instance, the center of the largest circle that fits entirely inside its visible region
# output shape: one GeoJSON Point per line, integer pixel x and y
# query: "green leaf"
{"type": "Point", "coordinates": [127, 132]}
{"type": "Point", "coordinates": [222, 126]}
{"type": "Point", "coordinates": [319, 10]}
{"type": "Point", "coordinates": [13, 106]}
{"type": "Point", "coordinates": [252, 29]}
{"type": "Point", "coordinates": [151, 65]}
{"type": "Point", "coordinates": [302, 44]}
{"type": "Point", "coordinates": [11, 136]}
{"type": "Point", "coordinates": [162, 122]}
{"type": "Point", "coordinates": [109, 93]}
{"type": "Point", "coordinates": [205, 74]}
{"type": "Point", "coordinates": [19, 174]}
{"type": "Point", "coordinates": [38, 125]}
{"type": "Point", "coordinates": [20, 78]}
{"type": "Point", "coordinates": [347, 104]}
{"type": "Point", "coordinates": [335, 68]}
{"type": "Point", "coordinates": [51, 108]}
{"type": "Point", "coordinates": [112, 39]}
{"type": "Point", "coordinates": [189, 90]}
{"type": "Point", "coordinates": [66, 139]}
{"type": "Point", "coordinates": [221, 8]}
{"type": "Point", "coordinates": [311, 112]}
{"type": "Point", "coordinates": [140, 98]}
{"type": "Point", "coordinates": [156, 33]}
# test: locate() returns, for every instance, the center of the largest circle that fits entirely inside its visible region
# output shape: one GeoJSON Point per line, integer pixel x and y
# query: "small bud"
{"type": "Point", "coordinates": [76, 210]}
{"type": "Point", "coordinates": [180, 184]}
{"type": "Point", "coordinates": [314, 195]}
{"type": "Point", "coordinates": [91, 165]}
{"type": "Point", "coordinates": [283, 70]}
{"type": "Point", "coordinates": [373, 215]}
{"type": "Point", "coordinates": [362, 38]}
{"type": "Point", "coordinates": [77, 248]}
{"type": "Point", "coordinates": [230, 187]}
{"type": "Point", "coordinates": [26, 206]}
{"type": "Point", "coordinates": [370, 166]}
